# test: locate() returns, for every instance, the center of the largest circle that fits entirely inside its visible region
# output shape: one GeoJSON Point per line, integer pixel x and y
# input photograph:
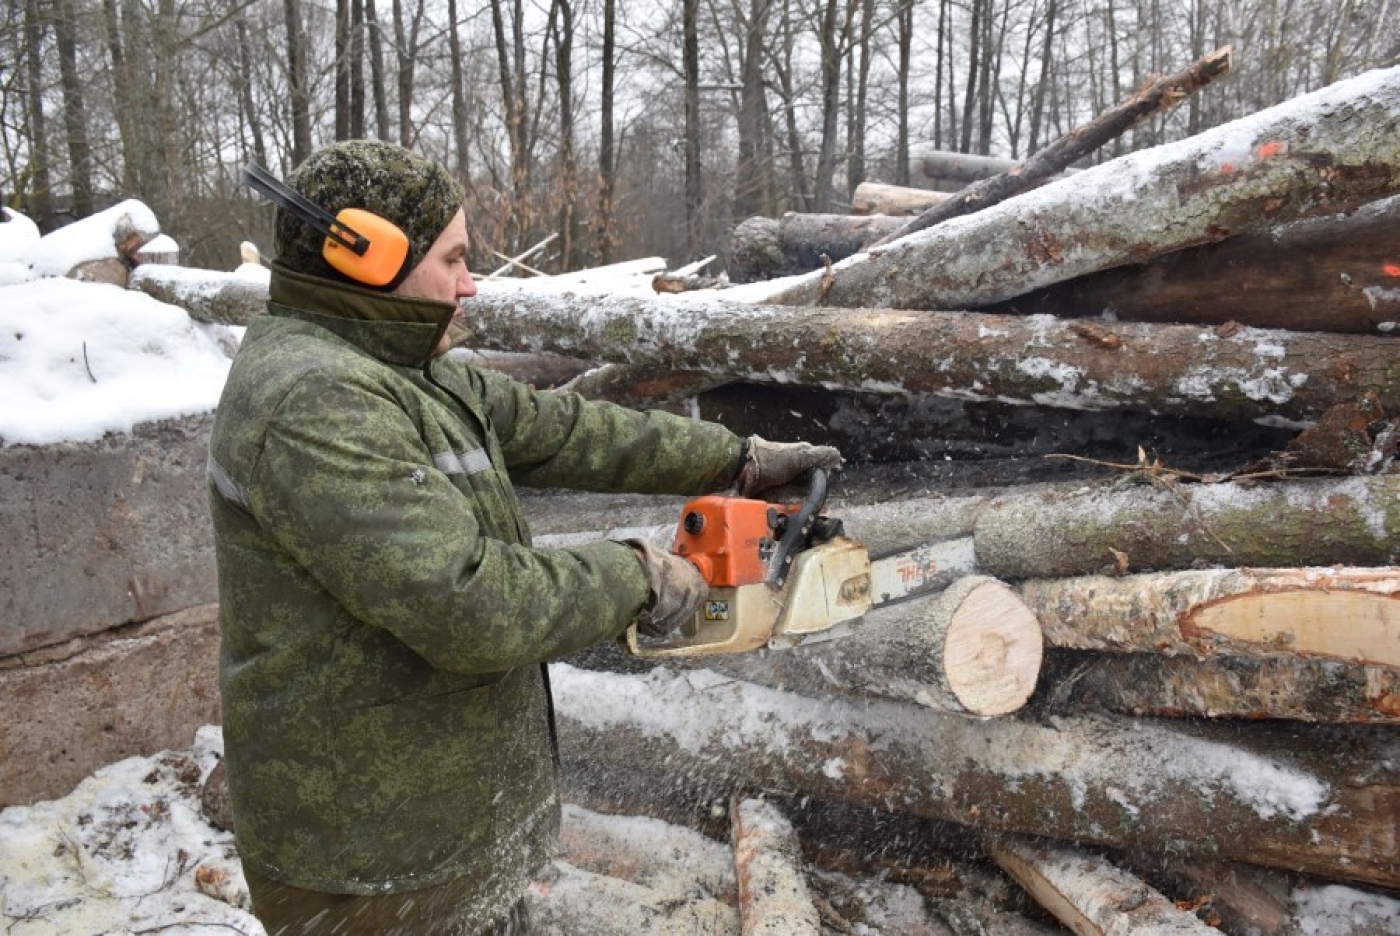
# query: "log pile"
{"type": "Point", "coordinates": [1154, 693]}
{"type": "Point", "coordinates": [1217, 706]}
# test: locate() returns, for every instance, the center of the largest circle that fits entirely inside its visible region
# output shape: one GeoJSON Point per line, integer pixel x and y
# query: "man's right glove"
{"type": "Point", "coordinates": [677, 589]}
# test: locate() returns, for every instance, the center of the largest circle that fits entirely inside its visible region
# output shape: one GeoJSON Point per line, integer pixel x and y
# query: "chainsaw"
{"type": "Point", "coordinates": [781, 575]}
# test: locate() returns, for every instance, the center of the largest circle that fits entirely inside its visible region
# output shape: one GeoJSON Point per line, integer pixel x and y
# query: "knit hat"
{"type": "Point", "coordinates": [384, 179]}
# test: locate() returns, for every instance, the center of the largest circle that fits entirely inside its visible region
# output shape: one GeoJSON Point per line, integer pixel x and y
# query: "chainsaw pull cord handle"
{"type": "Point", "coordinates": [798, 529]}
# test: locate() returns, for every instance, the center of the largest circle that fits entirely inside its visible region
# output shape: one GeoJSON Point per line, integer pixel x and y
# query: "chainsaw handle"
{"type": "Point", "coordinates": [798, 529]}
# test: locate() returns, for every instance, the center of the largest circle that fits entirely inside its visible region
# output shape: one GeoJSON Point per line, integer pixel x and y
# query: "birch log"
{"type": "Point", "coordinates": [1321, 152]}
{"type": "Point", "coordinates": [207, 295]}
{"type": "Point", "coordinates": [1349, 614]}
{"type": "Point", "coordinates": [1259, 797]}
{"type": "Point", "coordinates": [1236, 374]}
{"type": "Point", "coordinates": [1339, 273]}
{"type": "Point", "coordinates": [1089, 895]}
{"type": "Point", "coordinates": [877, 198]}
{"type": "Point", "coordinates": [1226, 687]}
{"type": "Point", "coordinates": [773, 895]}
{"type": "Point", "coordinates": [1352, 521]}
{"type": "Point", "coordinates": [974, 649]}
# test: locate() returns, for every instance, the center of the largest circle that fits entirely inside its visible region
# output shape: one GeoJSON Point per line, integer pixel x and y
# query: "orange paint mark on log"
{"type": "Point", "coordinates": [1271, 148]}
{"type": "Point", "coordinates": [1390, 269]}
{"type": "Point", "coordinates": [1227, 168]}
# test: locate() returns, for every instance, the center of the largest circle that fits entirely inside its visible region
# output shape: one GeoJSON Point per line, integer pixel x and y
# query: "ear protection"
{"type": "Point", "coordinates": [362, 245]}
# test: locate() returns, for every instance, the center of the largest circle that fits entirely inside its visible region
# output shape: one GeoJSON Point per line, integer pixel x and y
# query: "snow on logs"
{"type": "Point", "coordinates": [1189, 790]}
{"type": "Point", "coordinates": [1229, 373]}
{"type": "Point", "coordinates": [1324, 151]}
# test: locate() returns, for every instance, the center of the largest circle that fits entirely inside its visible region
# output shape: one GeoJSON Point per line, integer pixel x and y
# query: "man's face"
{"type": "Point", "coordinates": [443, 273]}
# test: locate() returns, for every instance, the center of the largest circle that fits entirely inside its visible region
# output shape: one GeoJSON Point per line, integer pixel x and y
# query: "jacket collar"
{"type": "Point", "coordinates": [396, 329]}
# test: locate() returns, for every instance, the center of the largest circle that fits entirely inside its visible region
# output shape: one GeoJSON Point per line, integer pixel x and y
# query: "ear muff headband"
{"type": "Point", "coordinates": [362, 245]}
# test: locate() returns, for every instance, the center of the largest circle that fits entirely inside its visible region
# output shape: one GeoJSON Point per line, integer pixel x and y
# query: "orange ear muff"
{"type": "Point", "coordinates": [359, 244]}
{"type": "Point", "coordinates": [385, 261]}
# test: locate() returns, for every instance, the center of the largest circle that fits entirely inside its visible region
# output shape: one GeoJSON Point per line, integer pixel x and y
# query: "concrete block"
{"type": "Point", "coordinates": [127, 692]}
{"type": "Point", "coordinates": [101, 534]}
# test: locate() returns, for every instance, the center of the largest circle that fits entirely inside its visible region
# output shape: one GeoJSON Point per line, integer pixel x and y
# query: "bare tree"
{"type": "Point", "coordinates": [607, 165]}
{"type": "Point", "coordinates": [298, 81]}
{"type": "Point", "coordinates": [690, 29]}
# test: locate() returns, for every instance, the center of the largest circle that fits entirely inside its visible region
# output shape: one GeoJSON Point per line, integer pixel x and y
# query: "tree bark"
{"type": "Point", "coordinates": [1351, 615]}
{"type": "Point", "coordinates": [1327, 150]}
{"type": "Point", "coordinates": [1335, 274]}
{"type": "Point", "coordinates": [1162, 94]}
{"type": "Point", "coordinates": [1089, 895]}
{"type": "Point", "coordinates": [1352, 521]}
{"type": "Point", "coordinates": [1227, 687]}
{"type": "Point", "coordinates": [1228, 374]}
{"type": "Point", "coordinates": [764, 248]}
{"type": "Point", "coordinates": [773, 895]}
{"type": "Point", "coordinates": [75, 120]}
{"type": "Point", "coordinates": [298, 81]}
{"type": "Point", "coordinates": [690, 58]}
{"type": "Point", "coordinates": [877, 198]}
{"type": "Point", "coordinates": [1259, 797]}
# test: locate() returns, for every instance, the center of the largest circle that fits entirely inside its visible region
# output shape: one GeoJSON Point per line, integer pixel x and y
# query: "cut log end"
{"type": "Point", "coordinates": [993, 646]}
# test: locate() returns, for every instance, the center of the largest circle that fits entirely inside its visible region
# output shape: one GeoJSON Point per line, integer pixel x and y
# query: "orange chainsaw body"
{"type": "Point", "coordinates": [733, 541]}
{"type": "Point", "coordinates": [728, 538]}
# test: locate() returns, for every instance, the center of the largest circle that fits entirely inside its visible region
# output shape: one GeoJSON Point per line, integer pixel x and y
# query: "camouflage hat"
{"type": "Point", "coordinates": [414, 193]}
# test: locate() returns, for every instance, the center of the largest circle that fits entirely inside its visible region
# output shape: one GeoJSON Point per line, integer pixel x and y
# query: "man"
{"type": "Point", "coordinates": [384, 619]}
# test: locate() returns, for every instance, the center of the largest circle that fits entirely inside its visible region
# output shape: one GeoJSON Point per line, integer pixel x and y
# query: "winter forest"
{"type": "Point", "coordinates": [622, 127]}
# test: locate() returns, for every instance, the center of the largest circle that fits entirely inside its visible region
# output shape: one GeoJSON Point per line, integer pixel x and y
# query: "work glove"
{"type": "Point", "coordinates": [781, 471]}
{"type": "Point", "coordinates": [677, 589]}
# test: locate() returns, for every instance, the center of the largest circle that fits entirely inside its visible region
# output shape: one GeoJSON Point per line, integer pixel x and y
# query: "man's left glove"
{"type": "Point", "coordinates": [677, 589]}
{"type": "Point", "coordinates": [773, 470]}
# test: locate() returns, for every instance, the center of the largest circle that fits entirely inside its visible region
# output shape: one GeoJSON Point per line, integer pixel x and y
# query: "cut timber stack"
{"type": "Point", "coordinates": [1261, 598]}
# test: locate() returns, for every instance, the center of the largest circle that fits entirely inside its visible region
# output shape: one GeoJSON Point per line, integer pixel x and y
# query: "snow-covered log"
{"type": "Point", "coordinates": [1257, 797]}
{"type": "Point", "coordinates": [207, 295]}
{"type": "Point", "coordinates": [1236, 373]}
{"type": "Point", "coordinates": [1351, 521]}
{"type": "Point", "coordinates": [1089, 895]}
{"type": "Point", "coordinates": [773, 895]}
{"type": "Point", "coordinates": [1320, 152]}
{"type": "Point", "coordinates": [1225, 687]}
{"type": "Point", "coordinates": [1349, 614]}
{"type": "Point", "coordinates": [1339, 273]}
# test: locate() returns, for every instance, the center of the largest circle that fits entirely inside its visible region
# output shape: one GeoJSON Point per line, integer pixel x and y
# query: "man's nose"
{"type": "Point", "coordinates": [466, 288]}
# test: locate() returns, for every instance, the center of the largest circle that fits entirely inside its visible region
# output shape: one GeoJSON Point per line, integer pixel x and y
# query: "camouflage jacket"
{"type": "Point", "coordinates": [384, 619]}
